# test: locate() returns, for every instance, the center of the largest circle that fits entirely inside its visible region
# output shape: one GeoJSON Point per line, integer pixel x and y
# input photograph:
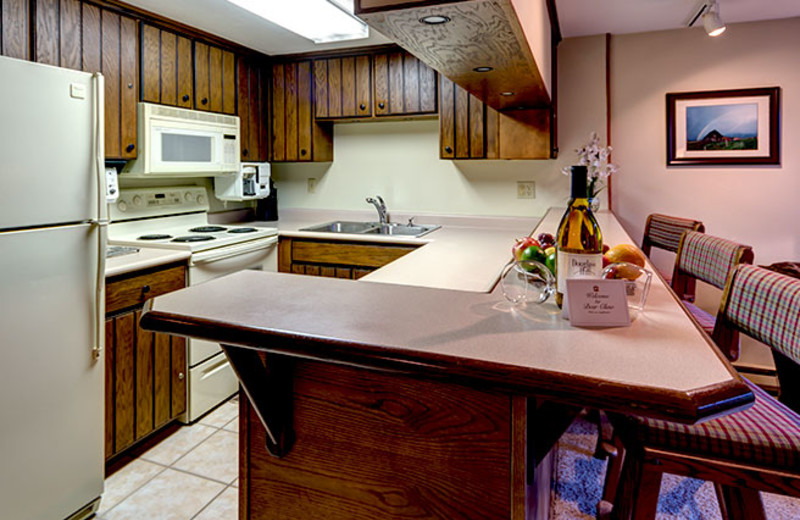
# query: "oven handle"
{"type": "Point", "coordinates": [206, 257]}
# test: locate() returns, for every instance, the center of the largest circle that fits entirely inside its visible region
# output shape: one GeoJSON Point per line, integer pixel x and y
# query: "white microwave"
{"type": "Point", "coordinates": [175, 142]}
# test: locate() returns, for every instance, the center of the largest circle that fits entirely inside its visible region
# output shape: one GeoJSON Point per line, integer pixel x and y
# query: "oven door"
{"type": "Point", "coordinates": [259, 254]}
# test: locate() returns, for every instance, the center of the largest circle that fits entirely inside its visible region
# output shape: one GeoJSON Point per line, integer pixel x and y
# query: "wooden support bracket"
{"type": "Point", "coordinates": [269, 388]}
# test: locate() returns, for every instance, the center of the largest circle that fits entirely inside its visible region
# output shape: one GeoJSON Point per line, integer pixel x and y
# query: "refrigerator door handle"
{"type": "Point", "coordinates": [102, 214]}
{"type": "Point", "coordinates": [100, 292]}
{"type": "Point", "coordinates": [99, 146]}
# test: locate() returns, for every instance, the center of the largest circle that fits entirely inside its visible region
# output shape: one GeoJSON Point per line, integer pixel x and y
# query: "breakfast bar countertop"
{"type": "Point", "coordinates": [661, 366]}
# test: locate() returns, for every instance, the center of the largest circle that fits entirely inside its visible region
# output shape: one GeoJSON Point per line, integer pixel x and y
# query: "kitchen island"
{"type": "Point", "coordinates": [384, 400]}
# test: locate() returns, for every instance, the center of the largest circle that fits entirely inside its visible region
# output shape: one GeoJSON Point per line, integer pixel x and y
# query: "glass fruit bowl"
{"type": "Point", "coordinates": [637, 283]}
{"type": "Point", "coordinates": [527, 281]}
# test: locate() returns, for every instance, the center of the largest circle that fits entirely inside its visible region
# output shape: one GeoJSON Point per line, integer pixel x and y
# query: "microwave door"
{"type": "Point", "coordinates": [183, 150]}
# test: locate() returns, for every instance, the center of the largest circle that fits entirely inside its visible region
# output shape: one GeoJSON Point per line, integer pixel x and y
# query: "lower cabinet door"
{"type": "Point", "coordinates": [145, 381]}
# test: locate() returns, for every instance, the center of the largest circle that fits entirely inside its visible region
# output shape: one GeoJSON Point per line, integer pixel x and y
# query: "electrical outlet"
{"type": "Point", "coordinates": [526, 190]}
{"type": "Point", "coordinates": [312, 185]}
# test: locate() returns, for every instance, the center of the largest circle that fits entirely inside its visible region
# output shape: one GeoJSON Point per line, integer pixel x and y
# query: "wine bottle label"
{"type": "Point", "coordinates": [573, 265]}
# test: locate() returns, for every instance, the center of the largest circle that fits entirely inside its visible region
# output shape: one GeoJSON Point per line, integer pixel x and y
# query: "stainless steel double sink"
{"type": "Point", "coordinates": [372, 228]}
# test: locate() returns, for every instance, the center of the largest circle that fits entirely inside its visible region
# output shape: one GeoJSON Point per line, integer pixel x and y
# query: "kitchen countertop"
{"type": "Point", "coordinates": [145, 258]}
{"type": "Point", "coordinates": [465, 254]}
{"type": "Point", "coordinates": [661, 366]}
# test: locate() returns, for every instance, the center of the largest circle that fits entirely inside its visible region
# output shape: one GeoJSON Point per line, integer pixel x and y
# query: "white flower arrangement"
{"type": "Point", "coordinates": [595, 158]}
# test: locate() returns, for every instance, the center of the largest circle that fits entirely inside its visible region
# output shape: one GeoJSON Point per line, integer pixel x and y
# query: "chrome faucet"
{"type": "Point", "coordinates": [380, 206]}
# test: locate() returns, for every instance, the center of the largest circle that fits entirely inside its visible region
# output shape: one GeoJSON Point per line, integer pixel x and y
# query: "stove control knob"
{"type": "Point", "coordinates": [137, 200]}
{"type": "Point", "coordinates": [201, 199]}
{"type": "Point", "coordinates": [188, 196]}
{"type": "Point", "coordinates": [122, 206]}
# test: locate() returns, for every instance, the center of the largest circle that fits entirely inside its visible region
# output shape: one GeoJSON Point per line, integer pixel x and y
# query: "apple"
{"type": "Point", "coordinates": [605, 248]}
{"type": "Point", "coordinates": [533, 253]}
{"type": "Point", "coordinates": [521, 244]}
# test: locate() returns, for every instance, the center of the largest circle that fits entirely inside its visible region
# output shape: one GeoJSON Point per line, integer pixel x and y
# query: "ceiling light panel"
{"type": "Point", "coordinates": [321, 21]}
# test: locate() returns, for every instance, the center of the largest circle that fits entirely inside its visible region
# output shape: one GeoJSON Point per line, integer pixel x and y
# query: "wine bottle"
{"type": "Point", "coordinates": [579, 243]}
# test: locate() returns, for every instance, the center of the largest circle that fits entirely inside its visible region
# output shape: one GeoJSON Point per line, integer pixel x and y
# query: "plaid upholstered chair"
{"type": "Point", "coordinates": [664, 232]}
{"type": "Point", "coordinates": [710, 259]}
{"type": "Point", "coordinates": [754, 450]}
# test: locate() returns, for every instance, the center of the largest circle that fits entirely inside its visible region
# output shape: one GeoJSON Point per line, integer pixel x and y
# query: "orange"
{"type": "Point", "coordinates": [626, 253]}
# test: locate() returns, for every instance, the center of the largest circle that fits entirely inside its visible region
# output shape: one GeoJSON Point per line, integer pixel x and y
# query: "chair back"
{"type": "Point", "coordinates": [707, 258]}
{"type": "Point", "coordinates": [765, 305]}
{"type": "Point", "coordinates": [664, 232]}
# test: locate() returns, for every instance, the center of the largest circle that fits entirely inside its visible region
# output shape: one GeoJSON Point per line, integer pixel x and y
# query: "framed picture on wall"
{"type": "Point", "coordinates": [723, 127]}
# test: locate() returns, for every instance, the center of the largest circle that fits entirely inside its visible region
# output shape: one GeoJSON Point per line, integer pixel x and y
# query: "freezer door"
{"type": "Point", "coordinates": [51, 384]}
{"type": "Point", "coordinates": [49, 140]}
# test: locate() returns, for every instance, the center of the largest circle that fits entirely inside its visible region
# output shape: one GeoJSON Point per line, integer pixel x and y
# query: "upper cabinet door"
{"type": "Point", "coordinates": [214, 79]}
{"type": "Point", "coordinates": [403, 85]}
{"type": "Point", "coordinates": [252, 109]}
{"type": "Point", "coordinates": [343, 87]}
{"type": "Point", "coordinates": [15, 28]}
{"type": "Point", "coordinates": [167, 67]}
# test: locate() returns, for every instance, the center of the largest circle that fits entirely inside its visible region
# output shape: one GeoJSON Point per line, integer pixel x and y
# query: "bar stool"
{"type": "Point", "coordinates": [710, 259]}
{"type": "Point", "coordinates": [664, 232]}
{"type": "Point", "coordinates": [754, 450]}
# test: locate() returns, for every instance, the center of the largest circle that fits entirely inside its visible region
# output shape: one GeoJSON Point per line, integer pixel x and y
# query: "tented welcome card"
{"type": "Point", "coordinates": [597, 303]}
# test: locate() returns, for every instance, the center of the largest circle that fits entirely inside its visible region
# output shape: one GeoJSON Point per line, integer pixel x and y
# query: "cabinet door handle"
{"type": "Point", "coordinates": [381, 105]}
{"type": "Point", "coordinates": [204, 101]}
{"type": "Point", "coordinates": [303, 152]}
{"type": "Point", "coordinates": [362, 106]}
{"type": "Point", "coordinates": [180, 376]}
{"type": "Point", "coordinates": [185, 97]}
{"type": "Point", "coordinates": [131, 147]}
{"type": "Point", "coordinates": [145, 289]}
{"type": "Point", "coordinates": [244, 152]}
{"type": "Point", "coordinates": [448, 149]}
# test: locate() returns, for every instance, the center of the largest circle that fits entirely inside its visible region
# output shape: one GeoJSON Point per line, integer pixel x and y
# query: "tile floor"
{"type": "Point", "coordinates": [190, 475]}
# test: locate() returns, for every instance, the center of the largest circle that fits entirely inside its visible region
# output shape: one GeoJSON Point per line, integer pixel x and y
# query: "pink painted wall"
{"type": "Point", "coordinates": [758, 206]}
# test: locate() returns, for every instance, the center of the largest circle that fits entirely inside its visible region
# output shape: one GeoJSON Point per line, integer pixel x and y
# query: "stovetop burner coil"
{"type": "Point", "coordinates": [243, 230]}
{"type": "Point", "coordinates": [154, 236]}
{"type": "Point", "coordinates": [208, 229]}
{"type": "Point", "coordinates": [193, 238]}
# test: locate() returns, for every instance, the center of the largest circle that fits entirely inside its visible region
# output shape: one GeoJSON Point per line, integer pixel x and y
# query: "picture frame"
{"type": "Point", "coordinates": [723, 127]}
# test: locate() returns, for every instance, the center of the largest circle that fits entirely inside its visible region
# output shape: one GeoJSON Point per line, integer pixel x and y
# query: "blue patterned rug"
{"type": "Point", "coordinates": [579, 483]}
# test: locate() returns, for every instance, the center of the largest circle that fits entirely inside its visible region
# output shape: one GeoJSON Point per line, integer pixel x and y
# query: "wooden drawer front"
{"type": "Point", "coordinates": [347, 253]}
{"type": "Point", "coordinates": [134, 291]}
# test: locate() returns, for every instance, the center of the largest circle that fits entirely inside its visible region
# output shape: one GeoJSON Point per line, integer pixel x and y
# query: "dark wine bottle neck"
{"type": "Point", "coordinates": [579, 182]}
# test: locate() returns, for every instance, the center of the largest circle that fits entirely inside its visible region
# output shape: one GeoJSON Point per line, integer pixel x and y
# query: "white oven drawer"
{"type": "Point", "coordinates": [210, 383]}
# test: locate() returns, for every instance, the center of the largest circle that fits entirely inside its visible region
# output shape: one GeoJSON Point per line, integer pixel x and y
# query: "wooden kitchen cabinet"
{"type": "Point", "coordinates": [14, 40]}
{"type": "Point", "coordinates": [336, 258]}
{"type": "Point", "coordinates": [177, 71]}
{"type": "Point", "coordinates": [145, 371]}
{"type": "Point", "coordinates": [214, 79]}
{"type": "Point", "coordinates": [296, 135]}
{"type": "Point", "coordinates": [470, 129]}
{"type": "Point", "coordinates": [167, 68]}
{"type": "Point", "coordinates": [252, 109]}
{"type": "Point", "coordinates": [83, 36]}
{"type": "Point", "coordinates": [403, 85]}
{"type": "Point", "coordinates": [343, 87]}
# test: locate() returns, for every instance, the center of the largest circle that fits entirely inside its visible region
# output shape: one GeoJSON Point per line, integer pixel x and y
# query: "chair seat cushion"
{"type": "Point", "coordinates": [766, 434]}
{"type": "Point", "coordinates": [705, 319]}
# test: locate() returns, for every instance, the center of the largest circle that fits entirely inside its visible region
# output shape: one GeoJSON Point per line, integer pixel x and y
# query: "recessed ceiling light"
{"type": "Point", "coordinates": [483, 69]}
{"type": "Point", "coordinates": [434, 19]}
{"type": "Point", "coordinates": [507, 93]}
{"type": "Point", "coordinates": [320, 21]}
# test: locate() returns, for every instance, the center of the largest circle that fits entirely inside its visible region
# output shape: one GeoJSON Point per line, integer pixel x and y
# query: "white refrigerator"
{"type": "Point", "coordinates": [52, 257]}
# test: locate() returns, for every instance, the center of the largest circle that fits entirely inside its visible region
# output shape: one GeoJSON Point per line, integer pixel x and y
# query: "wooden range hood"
{"type": "Point", "coordinates": [501, 34]}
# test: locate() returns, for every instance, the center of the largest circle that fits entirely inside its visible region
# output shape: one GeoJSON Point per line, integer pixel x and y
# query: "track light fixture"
{"type": "Point", "coordinates": [712, 22]}
{"type": "Point", "coordinates": [708, 12]}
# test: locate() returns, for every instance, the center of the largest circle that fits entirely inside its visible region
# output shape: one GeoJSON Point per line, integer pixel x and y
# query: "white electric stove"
{"type": "Point", "coordinates": [177, 218]}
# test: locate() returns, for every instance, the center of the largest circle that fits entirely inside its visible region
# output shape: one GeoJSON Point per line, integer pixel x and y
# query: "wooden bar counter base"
{"type": "Point", "coordinates": [384, 401]}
